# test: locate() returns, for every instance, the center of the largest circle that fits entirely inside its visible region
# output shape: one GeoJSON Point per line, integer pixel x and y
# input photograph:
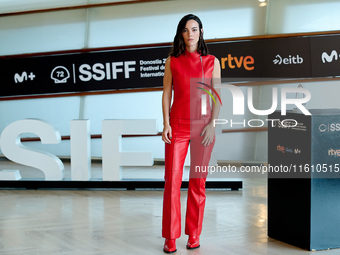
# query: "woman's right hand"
{"type": "Point", "coordinates": [167, 134]}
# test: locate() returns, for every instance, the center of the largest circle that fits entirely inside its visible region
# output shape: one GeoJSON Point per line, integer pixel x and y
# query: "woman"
{"type": "Point", "coordinates": [189, 59]}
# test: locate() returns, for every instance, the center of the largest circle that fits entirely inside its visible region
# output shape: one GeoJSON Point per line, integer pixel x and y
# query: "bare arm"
{"type": "Point", "coordinates": [166, 101]}
{"type": "Point", "coordinates": [209, 130]}
{"type": "Point", "coordinates": [216, 75]}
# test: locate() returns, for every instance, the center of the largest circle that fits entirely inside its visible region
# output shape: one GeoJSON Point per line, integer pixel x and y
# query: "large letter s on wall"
{"type": "Point", "coordinates": [14, 150]}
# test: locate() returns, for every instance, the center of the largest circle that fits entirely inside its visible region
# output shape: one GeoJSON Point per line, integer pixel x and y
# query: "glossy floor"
{"type": "Point", "coordinates": [98, 222]}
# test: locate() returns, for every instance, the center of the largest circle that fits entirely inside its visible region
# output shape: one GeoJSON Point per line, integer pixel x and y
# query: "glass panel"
{"type": "Point", "coordinates": [58, 111]}
{"type": "Point", "coordinates": [107, 1]}
{"type": "Point", "coordinates": [144, 105]}
{"type": "Point", "coordinates": [291, 16]}
{"type": "Point", "coordinates": [26, 5]}
{"type": "Point", "coordinates": [156, 22]}
{"type": "Point", "coordinates": [41, 32]}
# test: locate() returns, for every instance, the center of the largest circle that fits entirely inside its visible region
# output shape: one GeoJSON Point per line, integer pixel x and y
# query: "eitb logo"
{"type": "Point", "coordinates": [204, 97]}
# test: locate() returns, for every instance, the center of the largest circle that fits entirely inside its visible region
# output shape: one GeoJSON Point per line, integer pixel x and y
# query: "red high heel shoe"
{"type": "Point", "coordinates": [193, 242]}
{"type": "Point", "coordinates": [170, 246]}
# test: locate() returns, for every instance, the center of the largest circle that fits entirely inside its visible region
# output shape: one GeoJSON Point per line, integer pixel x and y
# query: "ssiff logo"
{"type": "Point", "coordinates": [60, 74]}
{"type": "Point", "coordinates": [204, 97]}
{"type": "Point", "coordinates": [333, 127]}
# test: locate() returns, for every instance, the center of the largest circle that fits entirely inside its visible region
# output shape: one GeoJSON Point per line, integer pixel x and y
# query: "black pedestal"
{"type": "Point", "coordinates": [304, 192]}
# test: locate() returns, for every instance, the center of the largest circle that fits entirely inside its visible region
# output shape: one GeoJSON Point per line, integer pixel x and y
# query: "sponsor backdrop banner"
{"type": "Point", "coordinates": [239, 59]}
{"type": "Point", "coordinates": [287, 58]}
{"type": "Point", "coordinates": [121, 69]}
{"type": "Point", "coordinates": [325, 55]}
{"type": "Point", "coordinates": [296, 57]}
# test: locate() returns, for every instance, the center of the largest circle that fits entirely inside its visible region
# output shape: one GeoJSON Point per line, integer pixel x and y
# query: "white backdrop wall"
{"type": "Point", "coordinates": [143, 24]}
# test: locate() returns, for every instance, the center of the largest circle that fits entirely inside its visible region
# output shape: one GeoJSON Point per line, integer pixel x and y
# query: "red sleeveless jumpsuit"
{"type": "Point", "coordinates": [187, 124]}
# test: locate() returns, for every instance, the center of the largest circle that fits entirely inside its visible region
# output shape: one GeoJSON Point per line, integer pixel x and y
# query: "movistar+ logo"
{"type": "Point", "coordinates": [329, 58]}
{"type": "Point", "coordinates": [23, 77]}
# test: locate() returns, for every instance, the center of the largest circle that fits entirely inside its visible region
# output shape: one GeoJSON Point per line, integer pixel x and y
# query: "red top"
{"type": "Point", "coordinates": [185, 68]}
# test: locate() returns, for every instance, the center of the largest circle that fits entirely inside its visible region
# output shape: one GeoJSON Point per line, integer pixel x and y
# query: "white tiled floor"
{"type": "Point", "coordinates": [84, 222]}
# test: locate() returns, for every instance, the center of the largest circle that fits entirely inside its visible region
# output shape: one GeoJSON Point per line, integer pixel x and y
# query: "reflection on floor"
{"type": "Point", "coordinates": [98, 222]}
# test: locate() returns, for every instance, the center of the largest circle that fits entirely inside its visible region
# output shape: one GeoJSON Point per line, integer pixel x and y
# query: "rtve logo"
{"type": "Point", "coordinates": [239, 62]}
{"type": "Point", "coordinates": [334, 153]}
{"type": "Point", "coordinates": [280, 148]}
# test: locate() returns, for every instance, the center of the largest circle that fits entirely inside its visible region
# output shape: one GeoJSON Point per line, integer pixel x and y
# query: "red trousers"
{"type": "Point", "coordinates": [183, 133]}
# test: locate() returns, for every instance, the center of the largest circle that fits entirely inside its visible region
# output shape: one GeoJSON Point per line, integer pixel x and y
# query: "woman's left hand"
{"type": "Point", "coordinates": [209, 134]}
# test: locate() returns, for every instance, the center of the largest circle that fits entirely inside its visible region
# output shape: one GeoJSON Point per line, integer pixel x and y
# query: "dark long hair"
{"type": "Point", "coordinates": [178, 47]}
